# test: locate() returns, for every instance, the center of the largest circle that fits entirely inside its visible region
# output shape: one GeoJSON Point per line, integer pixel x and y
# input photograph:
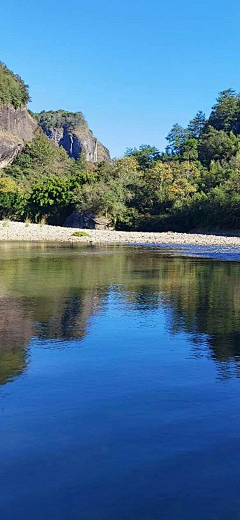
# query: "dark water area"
{"type": "Point", "coordinates": [119, 383]}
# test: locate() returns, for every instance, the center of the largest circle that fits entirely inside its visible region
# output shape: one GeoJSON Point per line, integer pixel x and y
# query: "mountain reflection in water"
{"type": "Point", "coordinates": [49, 293]}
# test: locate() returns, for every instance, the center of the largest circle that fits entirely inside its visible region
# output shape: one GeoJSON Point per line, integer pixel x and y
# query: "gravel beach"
{"type": "Point", "coordinates": [19, 231]}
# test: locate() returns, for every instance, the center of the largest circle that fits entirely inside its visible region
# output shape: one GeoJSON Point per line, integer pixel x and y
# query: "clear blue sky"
{"type": "Point", "coordinates": [134, 68]}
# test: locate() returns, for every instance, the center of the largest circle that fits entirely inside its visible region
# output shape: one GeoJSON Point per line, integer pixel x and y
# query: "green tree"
{"type": "Point", "coordinates": [51, 197]}
{"type": "Point", "coordinates": [111, 190]}
{"type": "Point", "coordinates": [197, 125]}
{"type": "Point", "coordinates": [189, 149]}
{"type": "Point", "coordinates": [40, 157]}
{"type": "Point", "coordinates": [217, 145]}
{"type": "Point", "coordinates": [13, 90]}
{"type": "Point", "coordinates": [145, 155]}
{"type": "Point", "coordinates": [13, 200]}
{"type": "Point", "coordinates": [225, 113]}
{"type": "Point", "coordinates": [176, 138]}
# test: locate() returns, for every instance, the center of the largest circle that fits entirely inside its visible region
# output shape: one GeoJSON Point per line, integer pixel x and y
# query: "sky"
{"type": "Point", "coordinates": [133, 68]}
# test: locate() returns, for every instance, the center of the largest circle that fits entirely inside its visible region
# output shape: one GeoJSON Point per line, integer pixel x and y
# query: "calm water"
{"type": "Point", "coordinates": [119, 383]}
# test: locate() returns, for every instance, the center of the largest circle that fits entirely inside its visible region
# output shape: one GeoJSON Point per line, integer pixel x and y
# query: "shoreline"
{"type": "Point", "coordinates": [19, 231]}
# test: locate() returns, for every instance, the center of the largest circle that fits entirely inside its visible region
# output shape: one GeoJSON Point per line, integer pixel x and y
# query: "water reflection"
{"type": "Point", "coordinates": [51, 294]}
{"type": "Point", "coordinates": [16, 330]}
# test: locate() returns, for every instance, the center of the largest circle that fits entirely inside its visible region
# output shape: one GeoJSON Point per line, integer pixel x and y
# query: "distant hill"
{"type": "Point", "coordinates": [70, 130]}
{"type": "Point", "coordinates": [18, 125]}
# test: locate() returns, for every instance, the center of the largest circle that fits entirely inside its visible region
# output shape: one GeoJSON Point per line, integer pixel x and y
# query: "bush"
{"type": "Point", "coordinates": [50, 198]}
{"type": "Point", "coordinates": [13, 200]}
{"type": "Point", "coordinates": [80, 234]}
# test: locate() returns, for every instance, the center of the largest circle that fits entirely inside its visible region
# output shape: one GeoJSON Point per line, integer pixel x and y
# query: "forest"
{"type": "Point", "coordinates": [194, 184]}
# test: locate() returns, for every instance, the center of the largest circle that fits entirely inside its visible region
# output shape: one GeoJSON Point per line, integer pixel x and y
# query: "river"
{"type": "Point", "coordinates": [119, 382]}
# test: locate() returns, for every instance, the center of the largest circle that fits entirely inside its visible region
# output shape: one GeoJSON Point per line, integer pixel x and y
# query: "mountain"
{"type": "Point", "coordinates": [18, 126]}
{"type": "Point", "coordinates": [70, 130]}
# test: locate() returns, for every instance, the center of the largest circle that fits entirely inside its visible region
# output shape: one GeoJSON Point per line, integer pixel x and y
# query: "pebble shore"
{"type": "Point", "coordinates": [19, 231]}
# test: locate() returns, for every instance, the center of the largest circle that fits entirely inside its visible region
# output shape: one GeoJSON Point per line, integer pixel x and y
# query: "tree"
{"type": "Point", "coordinates": [197, 125]}
{"type": "Point", "coordinates": [189, 149]}
{"type": "Point", "coordinates": [176, 138]}
{"type": "Point", "coordinates": [13, 90]}
{"type": "Point", "coordinates": [12, 199]}
{"type": "Point", "coordinates": [152, 197]}
{"type": "Point", "coordinates": [40, 157]}
{"type": "Point", "coordinates": [102, 198]}
{"type": "Point", "coordinates": [51, 197]}
{"type": "Point", "coordinates": [111, 189]}
{"type": "Point", "coordinates": [145, 155]}
{"type": "Point", "coordinates": [217, 145]}
{"type": "Point", "coordinates": [181, 190]}
{"type": "Point", "coordinates": [225, 113]}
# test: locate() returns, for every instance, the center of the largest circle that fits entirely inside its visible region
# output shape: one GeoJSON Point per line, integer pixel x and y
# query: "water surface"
{"type": "Point", "coordinates": [119, 383]}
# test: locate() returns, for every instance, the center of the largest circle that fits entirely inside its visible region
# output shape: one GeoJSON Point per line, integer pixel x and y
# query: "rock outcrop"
{"type": "Point", "coordinates": [86, 219]}
{"type": "Point", "coordinates": [70, 130]}
{"type": "Point", "coordinates": [102, 153]}
{"type": "Point", "coordinates": [16, 128]}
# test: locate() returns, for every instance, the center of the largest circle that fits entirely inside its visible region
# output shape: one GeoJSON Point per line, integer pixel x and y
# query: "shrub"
{"type": "Point", "coordinates": [80, 234]}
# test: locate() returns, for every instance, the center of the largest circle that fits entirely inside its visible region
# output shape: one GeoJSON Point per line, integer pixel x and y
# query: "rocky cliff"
{"type": "Point", "coordinates": [70, 130]}
{"type": "Point", "coordinates": [16, 128]}
{"type": "Point", "coordinates": [16, 125]}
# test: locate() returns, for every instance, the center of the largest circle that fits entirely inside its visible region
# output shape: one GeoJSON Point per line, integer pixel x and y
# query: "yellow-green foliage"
{"type": "Point", "coordinates": [7, 185]}
{"type": "Point", "coordinates": [5, 222]}
{"type": "Point", "coordinates": [27, 221]}
{"type": "Point", "coordinates": [43, 221]}
{"type": "Point", "coordinates": [80, 234]}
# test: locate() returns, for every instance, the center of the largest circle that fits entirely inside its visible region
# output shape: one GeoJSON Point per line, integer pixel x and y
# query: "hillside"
{"type": "Point", "coordinates": [19, 126]}
{"type": "Point", "coordinates": [16, 125]}
{"type": "Point", "coordinates": [53, 168]}
{"type": "Point", "coordinates": [70, 130]}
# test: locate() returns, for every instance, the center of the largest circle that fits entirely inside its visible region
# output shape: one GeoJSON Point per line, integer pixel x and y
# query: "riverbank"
{"type": "Point", "coordinates": [19, 231]}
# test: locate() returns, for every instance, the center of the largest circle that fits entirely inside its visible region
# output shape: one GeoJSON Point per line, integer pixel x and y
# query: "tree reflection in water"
{"type": "Point", "coordinates": [51, 294]}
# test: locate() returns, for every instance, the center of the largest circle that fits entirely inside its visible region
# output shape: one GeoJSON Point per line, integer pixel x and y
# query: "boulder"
{"type": "Point", "coordinates": [87, 220]}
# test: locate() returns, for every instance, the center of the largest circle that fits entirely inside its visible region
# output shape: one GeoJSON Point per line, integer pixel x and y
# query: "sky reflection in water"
{"type": "Point", "coordinates": [119, 374]}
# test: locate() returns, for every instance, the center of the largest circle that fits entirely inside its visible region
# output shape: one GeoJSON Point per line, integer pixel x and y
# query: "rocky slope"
{"type": "Point", "coordinates": [70, 130]}
{"type": "Point", "coordinates": [16, 125]}
{"type": "Point", "coordinates": [16, 128]}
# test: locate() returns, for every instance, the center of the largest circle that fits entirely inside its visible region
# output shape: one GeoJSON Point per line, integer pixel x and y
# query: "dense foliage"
{"type": "Point", "coordinates": [195, 183]}
{"type": "Point", "coordinates": [13, 90]}
{"type": "Point", "coordinates": [59, 119]}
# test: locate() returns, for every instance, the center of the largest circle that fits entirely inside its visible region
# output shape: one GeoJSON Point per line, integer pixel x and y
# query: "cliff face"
{"type": "Point", "coordinates": [102, 152]}
{"type": "Point", "coordinates": [74, 142]}
{"type": "Point", "coordinates": [70, 130]}
{"type": "Point", "coordinates": [16, 125]}
{"type": "Point", "coordinates": [65, 129]}
{"type": "Point", "coordinates": [16, 128]}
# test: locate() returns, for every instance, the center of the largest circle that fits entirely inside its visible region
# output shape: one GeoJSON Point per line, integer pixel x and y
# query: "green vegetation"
{"type": "Point", "coordinates": [5, 223]}
{"type": "Point", "coordinates": [59, 119]}
{"type": "Point", "coordinates": [13, 90]}
{"type": "Point", "coordinates": [80, 234]}
{"type": "Point", "coordinates": [193, 184]}
{"type": "Point", "coordinates": [27, 221]}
